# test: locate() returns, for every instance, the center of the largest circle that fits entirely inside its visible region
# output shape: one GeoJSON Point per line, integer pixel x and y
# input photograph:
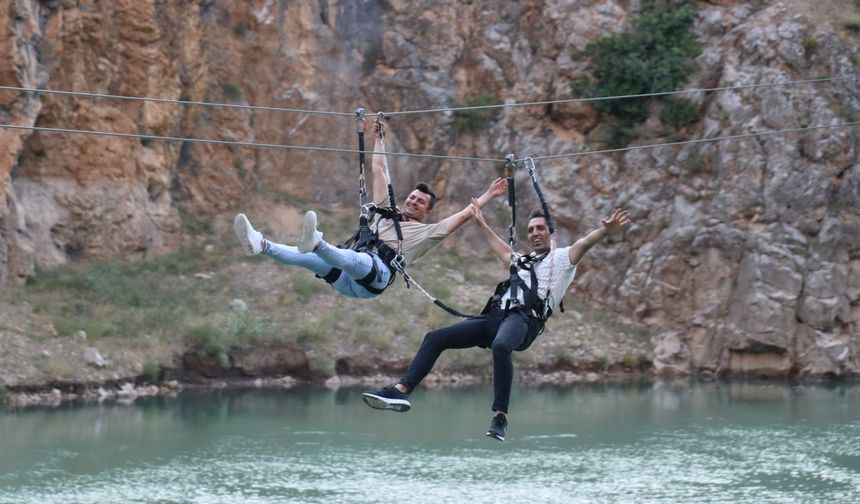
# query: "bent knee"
{"type": "Point", "coordinates": [502, 348]}
{"type": "Point", "coordinates": [433, 337]}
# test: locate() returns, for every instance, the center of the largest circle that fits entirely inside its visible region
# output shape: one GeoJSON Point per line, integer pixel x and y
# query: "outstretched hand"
{"type": "Point", "coordinates": [498, 187]}
{"type": "Point", "coordinates": [617, 220]}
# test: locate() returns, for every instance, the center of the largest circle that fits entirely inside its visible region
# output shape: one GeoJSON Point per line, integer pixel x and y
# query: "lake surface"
{"type": "Point", "coordinates": [665, 443]}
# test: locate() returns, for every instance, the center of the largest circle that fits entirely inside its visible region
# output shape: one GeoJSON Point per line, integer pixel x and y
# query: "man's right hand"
{"type": "Point", "coordinates": [475, 210]}
{"type": "Point", "coordinates": [498, 187]}
{"type": "Point", "coordinates": [380, 128]}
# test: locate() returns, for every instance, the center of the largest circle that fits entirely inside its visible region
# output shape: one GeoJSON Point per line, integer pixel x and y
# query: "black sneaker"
{"type": "Point", "coordinates": [498, 426]}
{"type": "Point", "coordinates": [388, 398]}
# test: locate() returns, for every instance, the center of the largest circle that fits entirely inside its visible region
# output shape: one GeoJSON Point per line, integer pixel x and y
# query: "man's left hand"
{"type": "Point", "coordinates": [618, 220]}
{"type": "Point", "coordinates": [498, 187]}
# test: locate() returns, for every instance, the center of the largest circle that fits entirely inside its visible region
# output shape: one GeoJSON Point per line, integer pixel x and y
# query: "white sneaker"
{"type": "Point", "coordinates": [250, 239]}
{"type": "Point", "coordinates": [311, 238]}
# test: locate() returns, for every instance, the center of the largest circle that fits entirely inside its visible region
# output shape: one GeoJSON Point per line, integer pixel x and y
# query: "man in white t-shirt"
{"type": "Point", "coordinates": [511, 321]}
{"type": "Point", "coordinates": [365, 274]}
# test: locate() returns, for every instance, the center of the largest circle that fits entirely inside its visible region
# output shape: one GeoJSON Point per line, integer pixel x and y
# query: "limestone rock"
{"type": "Point", "coordinates": [671, 356]}
{"type": "Point", "coordinates": [739, 247]}
{"type": "Point", "coordinates": [827, 357]}
{"type": "Point", "coordinates": [272, 362]}
{"type": "Point", "coordinates": [93, 358]}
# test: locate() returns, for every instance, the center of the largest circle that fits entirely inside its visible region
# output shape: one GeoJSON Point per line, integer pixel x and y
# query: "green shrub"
{"type": "Point", "coordinates": [473, 120]}
{"type": "Point", "coordinates": [240, 30]}
{"type": "Point", "coordinates": [232, 91]}
{"type": "Point", "coordinates": [210, 339]}
{"type": "Point", "coordinates": [852, 23]}
{"type": "Point", "coordinates": [216, 339]}
{"type": "Point", "coordinates": [652, 57]}
{"type": "Point", "coordinates": [678, 112]}
{"type": "Point", "coordinates": [152, 371]}
{"type": "Point", "coordinates": [58, 279]}
{"type": "Point", "coordinates": [810, 45]}
{"type": "Point", "coordinates": [95, 329]}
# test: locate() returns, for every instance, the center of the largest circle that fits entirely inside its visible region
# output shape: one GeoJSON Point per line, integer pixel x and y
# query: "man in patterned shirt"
{"type": "Point", "coordinates": [508, 323]}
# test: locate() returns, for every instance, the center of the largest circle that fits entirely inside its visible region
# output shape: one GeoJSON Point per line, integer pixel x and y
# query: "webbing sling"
{"type": "Point", "coordinates": [514, 280]}
{"type": "Point", "coordinates": [530, 166]}
{"type": "Point", "coordinates": [362, 187]}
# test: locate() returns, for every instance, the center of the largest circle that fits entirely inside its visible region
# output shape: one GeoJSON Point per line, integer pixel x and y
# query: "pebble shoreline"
{"type": "Point", "coordinates": [128, 392]}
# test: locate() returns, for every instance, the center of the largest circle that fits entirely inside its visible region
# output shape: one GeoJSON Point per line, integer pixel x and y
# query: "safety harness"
{"type": "Point", "coordinates": [366, 239]}
{"type": "Point", "coordinates": [532, 304]}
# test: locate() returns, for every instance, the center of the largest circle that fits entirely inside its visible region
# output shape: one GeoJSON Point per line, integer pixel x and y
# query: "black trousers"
{"type": "Point", "coordinates": [499, 330]}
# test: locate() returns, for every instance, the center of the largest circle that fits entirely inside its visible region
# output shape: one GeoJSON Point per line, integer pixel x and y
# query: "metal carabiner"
{"type": "Point", "coordinates": [529, 163]}
{"type": "Point", "coordinates": [399, 264]}
{"type": "Point", "coordinates": [510, 162]}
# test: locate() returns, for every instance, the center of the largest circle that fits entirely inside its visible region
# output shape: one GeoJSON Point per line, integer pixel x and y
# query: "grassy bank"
{"type": "Point", "coordinates": [141, 315]}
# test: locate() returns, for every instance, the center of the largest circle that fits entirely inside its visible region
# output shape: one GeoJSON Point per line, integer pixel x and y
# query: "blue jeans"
{"type": "Point", "coordinates": [499, 330]}
{"type": "Point", "coordinates": [355, 266]}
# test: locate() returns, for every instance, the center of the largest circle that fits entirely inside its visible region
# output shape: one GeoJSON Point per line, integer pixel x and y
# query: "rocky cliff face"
{"type": "Point", "coordinates": [745, 254]}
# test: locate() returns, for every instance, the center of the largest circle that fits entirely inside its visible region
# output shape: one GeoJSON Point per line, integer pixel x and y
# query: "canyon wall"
{"type": "Point", "coordinates": [744, 257]}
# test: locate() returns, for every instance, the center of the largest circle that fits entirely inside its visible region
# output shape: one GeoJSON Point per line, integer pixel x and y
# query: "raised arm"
{"type": "Point", "coordinates": [617, 220]}
{"type": "Point", "coordinates": [377, 163]}
{"type": "Point", "coordinates": [502, 249]}
{"type": "Point", "coordinates": [497, 188]}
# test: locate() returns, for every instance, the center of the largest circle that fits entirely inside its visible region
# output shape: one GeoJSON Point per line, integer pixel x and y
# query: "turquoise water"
{"type": "Point", "coordinates": [664, 443]}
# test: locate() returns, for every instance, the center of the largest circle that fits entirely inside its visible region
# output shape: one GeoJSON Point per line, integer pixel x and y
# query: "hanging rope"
{"type": "Point", "coordinates": [530, 166]}
{"type": "Point", "coordinates": [362, 185]}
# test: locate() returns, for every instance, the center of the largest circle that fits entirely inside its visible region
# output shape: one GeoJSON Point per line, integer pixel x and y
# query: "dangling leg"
{"type": "Point", "coordinates": [286, 254]}
{"type": "Point", "coordinates": [344, 283]}
{"type": "Point", "coordinates": [254, 243]}
{"type": "Point", "coordinates": [356, 265]}
{"type": "Point", "coordinates": [510, 335]}
{"type": "Point", "coordinates": [469, 333]}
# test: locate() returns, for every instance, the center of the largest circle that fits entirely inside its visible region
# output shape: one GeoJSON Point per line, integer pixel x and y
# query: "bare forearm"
{"type": "Point", "coordinates": [380, 185]}
{"type": "Point", "coordinates": [502, 249]}
{"type": "Point", "coordinates": [455, 221]}
{"type": "Point", "coordinates": [594, 237]}
{"type": "Point", "coordinates": [484, 198]}
{"type": "Point", "coordinates": [584, 244]}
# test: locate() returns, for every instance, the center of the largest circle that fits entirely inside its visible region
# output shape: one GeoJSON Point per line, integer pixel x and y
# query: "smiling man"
{"type": "Point", "coordinates": [366, 273]}
{"type": "Point", "coordinates": [512, 319]}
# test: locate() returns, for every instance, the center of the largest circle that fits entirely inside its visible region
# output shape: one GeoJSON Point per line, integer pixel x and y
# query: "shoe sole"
{"type": "Point", "coordinates": [384, 403]}
{"type": "Point", "coordinates": [495, 436]}
{"type": "Point", "coordinates": [309, 225]}
{"type": "Point", "coordinates": [242, 227]}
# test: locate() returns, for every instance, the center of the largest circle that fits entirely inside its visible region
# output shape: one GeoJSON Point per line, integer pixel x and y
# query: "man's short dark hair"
{"type": "Point", "coordinates": [537, 212]}
{"type": "Point", "coordinates": [426, 190]}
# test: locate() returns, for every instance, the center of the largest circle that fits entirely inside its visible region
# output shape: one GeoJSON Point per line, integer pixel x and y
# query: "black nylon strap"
{"type": "Point", "coordinates": [332, 276]}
